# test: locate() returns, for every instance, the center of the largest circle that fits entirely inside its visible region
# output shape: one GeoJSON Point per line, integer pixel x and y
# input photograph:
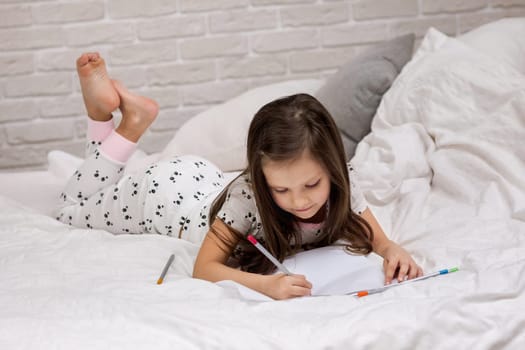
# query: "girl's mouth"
{"type": "Point", "coordinates": [303, 210]}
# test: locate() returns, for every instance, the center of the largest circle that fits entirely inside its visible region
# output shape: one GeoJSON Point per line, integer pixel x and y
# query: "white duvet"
{"type": "Point", "coordinates": [444, 171]}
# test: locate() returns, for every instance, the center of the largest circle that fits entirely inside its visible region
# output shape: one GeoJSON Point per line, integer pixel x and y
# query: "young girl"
{"type": "Point", "coordinates": [297, 191]}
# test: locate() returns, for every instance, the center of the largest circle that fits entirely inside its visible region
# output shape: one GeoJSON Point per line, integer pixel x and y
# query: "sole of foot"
{"type": "Point", "coordinates": [100, 96]}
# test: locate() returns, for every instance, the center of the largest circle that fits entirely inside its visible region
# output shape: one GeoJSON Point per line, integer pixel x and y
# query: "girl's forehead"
{"type": "Point", "coordinates": [303, 158]}
{"type": "Point", "coordinates": [285, 173]}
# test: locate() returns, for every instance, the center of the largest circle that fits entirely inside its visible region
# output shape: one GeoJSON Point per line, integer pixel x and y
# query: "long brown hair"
{"type": "Point", "coordinates": [280, 131]}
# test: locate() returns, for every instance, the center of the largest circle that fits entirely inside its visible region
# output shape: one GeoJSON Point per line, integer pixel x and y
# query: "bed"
{"type": "Point", "coordinates": [443, 169]}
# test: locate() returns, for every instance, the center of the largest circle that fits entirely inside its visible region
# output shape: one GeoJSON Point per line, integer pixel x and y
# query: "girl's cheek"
{"type": "Point", "coordinates": [280, 202]}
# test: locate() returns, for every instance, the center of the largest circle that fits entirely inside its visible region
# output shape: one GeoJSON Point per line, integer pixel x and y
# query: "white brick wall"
{"type": "Point", "coordinates": [187, 54]}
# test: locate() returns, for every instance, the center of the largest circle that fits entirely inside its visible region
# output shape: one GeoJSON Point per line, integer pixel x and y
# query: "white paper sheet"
{"type": "Point", "coordinates": [331, 270]}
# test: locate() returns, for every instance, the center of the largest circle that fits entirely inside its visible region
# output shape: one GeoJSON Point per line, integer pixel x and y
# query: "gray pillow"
{"type": "Point", "coordinates": [354, 92]}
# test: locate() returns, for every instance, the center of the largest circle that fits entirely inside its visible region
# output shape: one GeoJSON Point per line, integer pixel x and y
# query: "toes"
{"type": "Point", "coordinates": [86, 58]}
{"type": "Point", "coordinates": [83, 60]}
{"type": "Point", "coordinates": [93, 56]}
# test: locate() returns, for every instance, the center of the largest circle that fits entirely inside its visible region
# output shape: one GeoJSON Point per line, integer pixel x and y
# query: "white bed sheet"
{"type": "Point", "coordinates": [443, 171]}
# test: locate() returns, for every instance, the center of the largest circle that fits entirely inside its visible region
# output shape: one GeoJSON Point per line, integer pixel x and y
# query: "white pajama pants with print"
{"type": "Point", "coordinates": [169, 197]}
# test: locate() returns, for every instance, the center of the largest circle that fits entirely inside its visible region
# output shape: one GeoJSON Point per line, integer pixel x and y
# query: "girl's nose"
{"type": "Point", "coordinates": [299, 201]}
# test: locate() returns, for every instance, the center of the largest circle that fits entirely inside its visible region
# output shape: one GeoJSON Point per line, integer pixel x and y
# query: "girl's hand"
{"type": "Point", "coordinates": [396, 259]}
{"type": "Point", "coordinates": [281, 286]}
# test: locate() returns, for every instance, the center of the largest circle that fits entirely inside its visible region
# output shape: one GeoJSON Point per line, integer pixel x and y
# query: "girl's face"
{"type": "Point", "coordinates": [300, 186]}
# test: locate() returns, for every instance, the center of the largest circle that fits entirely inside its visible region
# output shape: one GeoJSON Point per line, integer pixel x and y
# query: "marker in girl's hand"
{"type": "Point", "coordinates": [266, 253]}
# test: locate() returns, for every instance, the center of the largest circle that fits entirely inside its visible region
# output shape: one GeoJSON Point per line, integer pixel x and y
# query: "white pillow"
{"type": "Point", "coordinates": [219, 134]}
{"type": "Point", "coordinates": [503, 39]}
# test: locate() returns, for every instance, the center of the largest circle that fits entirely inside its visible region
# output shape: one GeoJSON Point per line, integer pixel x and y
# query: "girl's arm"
{"type": "Point", "coordinates": [211, 266]}
{"type": "Point", "coordinates": [395, 259]}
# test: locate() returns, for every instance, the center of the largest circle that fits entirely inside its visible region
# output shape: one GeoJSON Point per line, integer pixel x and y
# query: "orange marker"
{"type": "Point", "coordinates": [364, 293]}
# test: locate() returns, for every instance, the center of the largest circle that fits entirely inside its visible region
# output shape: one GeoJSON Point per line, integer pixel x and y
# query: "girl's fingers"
{"type": "Point", "coordinates": [301, 281]}
{"type": "Point", "coordinates": [403, 270]}
{"type": "Point", "coordinates": [390, 270]}
{"type": "Point", "coordinates": [419, 272]}
{"type": "Point", "coordinates": [299, 291]}
{"type": "Point", "coordinates": [296, 286]}
{"type": "Point", "coordinates": [414, 271]}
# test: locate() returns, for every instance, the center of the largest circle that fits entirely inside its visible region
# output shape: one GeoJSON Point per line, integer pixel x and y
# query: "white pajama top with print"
{"type": "Point", "coordinates": [240, 211]}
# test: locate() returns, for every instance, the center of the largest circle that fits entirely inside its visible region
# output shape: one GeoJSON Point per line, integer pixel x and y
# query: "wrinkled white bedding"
{"type": "Point", "coordinates": [443, 169]}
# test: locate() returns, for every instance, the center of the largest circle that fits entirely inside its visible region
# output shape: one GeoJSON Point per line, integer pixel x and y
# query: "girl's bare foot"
{"type": "Point", "coordinates": [138, 112]}
{"type": "Point", "coordinates": [100, 96]}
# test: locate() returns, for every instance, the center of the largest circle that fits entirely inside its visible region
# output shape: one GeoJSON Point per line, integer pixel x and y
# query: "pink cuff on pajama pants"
{"type": "Point", "coordinates": [98, 131]}
{"type": "Point", "coordinates": [114, 146]}
{"type": "Point", "coordinates": [117, 148]}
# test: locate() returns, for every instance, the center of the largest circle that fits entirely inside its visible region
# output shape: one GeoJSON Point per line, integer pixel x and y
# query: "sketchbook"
{"type": "Point", "coordinates": [331, 270]}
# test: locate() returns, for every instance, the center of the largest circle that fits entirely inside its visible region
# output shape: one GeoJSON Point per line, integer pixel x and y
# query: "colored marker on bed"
{"type": "Point", "coordinates": [165, 270]}
{"type": "Point", "coordinates": [266, 253]}
{"type": "Point", "coordinates": [364, 293]}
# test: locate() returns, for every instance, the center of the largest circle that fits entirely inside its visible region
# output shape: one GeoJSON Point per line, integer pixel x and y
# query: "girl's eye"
{"type": "Point", "coordinates": [278, 190]}
{"type": "Point", "coordinates": [314, 184]}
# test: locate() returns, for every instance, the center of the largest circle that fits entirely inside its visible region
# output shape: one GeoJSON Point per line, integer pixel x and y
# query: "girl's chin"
{"type": "Point", "coordinates": [305, 215]}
